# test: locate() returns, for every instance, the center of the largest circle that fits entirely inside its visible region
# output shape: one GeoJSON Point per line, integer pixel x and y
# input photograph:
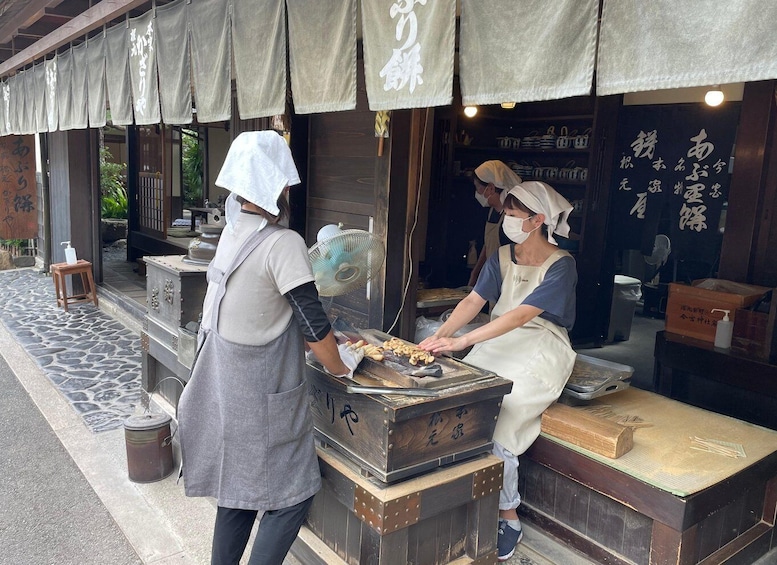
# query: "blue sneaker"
{"type": "Point", "coordinates": [507, 539]}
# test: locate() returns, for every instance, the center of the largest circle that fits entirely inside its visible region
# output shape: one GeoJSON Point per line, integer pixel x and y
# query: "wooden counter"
{"type": "Point", "coordinates": [694, 371]}
{"type": "Point", "coordinates": [600, 507]}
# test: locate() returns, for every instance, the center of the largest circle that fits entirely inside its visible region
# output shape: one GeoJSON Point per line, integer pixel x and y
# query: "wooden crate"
{"type": "Point", "coordinates": [449, 515]}
{"type": "Point", "coordinates": [395, 437]}
{"type": "Point", "coordinates": [689, 309]}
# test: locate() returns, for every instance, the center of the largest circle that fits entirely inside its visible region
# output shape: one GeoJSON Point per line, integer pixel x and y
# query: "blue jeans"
{"type": "Point", "coordinates": [277, 531]}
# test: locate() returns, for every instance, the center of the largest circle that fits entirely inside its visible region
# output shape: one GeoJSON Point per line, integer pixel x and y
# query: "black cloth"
{"type": "Point", "coordinates": [308, 312]}
{"type": "Point", "coordinates": [277, 531]}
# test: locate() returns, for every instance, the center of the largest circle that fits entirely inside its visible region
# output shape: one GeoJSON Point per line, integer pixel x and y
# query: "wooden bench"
{"type": "Point", "coordinates": [84, 268]}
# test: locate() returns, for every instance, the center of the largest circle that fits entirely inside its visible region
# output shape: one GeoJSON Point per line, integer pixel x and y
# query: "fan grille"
{"type": "Point", "coordinates": [345, 262]}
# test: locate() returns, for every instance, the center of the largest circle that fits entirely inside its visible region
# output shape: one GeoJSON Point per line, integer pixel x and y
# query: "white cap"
{"type": "Point", "coordinates": [541, 198]}
{"type": "Point", "coordinates": [258, 167]}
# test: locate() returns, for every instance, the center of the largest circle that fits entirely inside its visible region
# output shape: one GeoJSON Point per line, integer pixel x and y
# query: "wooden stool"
{"type": "Point", "coordinates": [81, 267]}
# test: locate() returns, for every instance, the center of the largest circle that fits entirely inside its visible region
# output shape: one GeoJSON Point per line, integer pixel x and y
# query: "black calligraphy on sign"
{"type": "Point", "coordinates": [18, 193]}
{"type": "Point", "coordinates": [436, 425]}
{"type": "Point", "coordinates": [671, 175]}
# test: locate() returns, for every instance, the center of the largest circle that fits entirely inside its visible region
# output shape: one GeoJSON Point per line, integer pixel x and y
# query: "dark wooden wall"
{"type": "Point", "coordinates": [750, 239]}
{"type": "Point", "coordinates": [347, 182]}
{"type": "Point", "coordinates": [74, 195]}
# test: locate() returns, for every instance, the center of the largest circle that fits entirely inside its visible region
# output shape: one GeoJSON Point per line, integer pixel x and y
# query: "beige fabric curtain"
{"type": "Point", "coordinates": [95, 67]}
{"type": "Point", "coordinates": [13, 112]}
{"type": "Point", "coordinates": [41, 122]}
{"type": "Point", "coordinates": [25, 103]}
{"type": "Point", "coordinates": [4, 107]}
{"type": "Point", "coordinates": [64, 90]}
{"type": "Point", "coordinates": [408, 53]}
{"type": "Point", "coordinates": [52, 103]}
{"type": "Point", "coordinates": [117, 77]}
{"type": "Point", "coordinates": [668, 44]}
{"type": "Point", "coordinates": [212, 59]}
{"type": "Point", "coordinates": [29, 101]}
{"type": "Point", "coordinates": [175, 89]}
{"type": "Point", "coordinates": [79, 82]}
{"type": "Point", "coordinates": [143, 69]}
{"type": "Point", "coordinates": [259, 43]}
{"type": "Point", "coordinates": [322, 55]}
{"type": "Point", "coordinates": [525, 51]}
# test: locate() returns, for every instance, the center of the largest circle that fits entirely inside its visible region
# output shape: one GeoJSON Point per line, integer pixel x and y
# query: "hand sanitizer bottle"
{"type": "Point", "coordinates": [724, 330]}
{"type": "Point", "coordinates": [70, 253]}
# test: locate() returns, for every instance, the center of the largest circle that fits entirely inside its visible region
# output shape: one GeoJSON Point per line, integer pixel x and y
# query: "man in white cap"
{"type": "Point", "coordinates": [246, 433]}
{"type": "Point", "coordinates": [533, 284]}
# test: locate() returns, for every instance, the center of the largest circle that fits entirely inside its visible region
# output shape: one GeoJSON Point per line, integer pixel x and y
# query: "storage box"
{"type": "Point", "coordinates": [689, 309]}
{"type": "Point", "coordinates": [175, 290]}
{"type": "Point", "coordinates": [448, 515]}
{"type": "Point", "coordinates": [392, 437]}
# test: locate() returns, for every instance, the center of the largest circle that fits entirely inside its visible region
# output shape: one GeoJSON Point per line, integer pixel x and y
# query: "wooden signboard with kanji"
{"type": "Point", "coordinates": [18, 193]}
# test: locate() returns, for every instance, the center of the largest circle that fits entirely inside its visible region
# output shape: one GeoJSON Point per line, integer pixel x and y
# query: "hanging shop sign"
{"type": "Point", "coordinates": [18, 194]}
{"type": "Point", "coordinates": [671, 175]}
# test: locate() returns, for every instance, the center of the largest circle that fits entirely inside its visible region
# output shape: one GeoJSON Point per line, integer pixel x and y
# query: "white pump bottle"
{"type": "Point", "coordinates": [70, 253]}
{"type": "Point", "coordinates": [724, 330]}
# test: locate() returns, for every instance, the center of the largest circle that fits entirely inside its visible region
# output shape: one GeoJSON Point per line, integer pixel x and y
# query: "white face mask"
{"type": "Point", "coordinates": [482, 199]}
{"type": "Point", "coordinates": [513, 228]}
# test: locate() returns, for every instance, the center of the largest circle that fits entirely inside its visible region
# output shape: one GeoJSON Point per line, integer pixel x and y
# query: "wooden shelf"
{"type": "Point", "coordinates": [552, 120]}
{"type": "Point", "coordinates": [521, 150]}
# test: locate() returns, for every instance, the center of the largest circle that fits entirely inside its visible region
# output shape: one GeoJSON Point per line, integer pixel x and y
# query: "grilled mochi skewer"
{"type": "Point", "coordinates": [372, 351]}
{"type": "Point", "coordinates": [415, 353]}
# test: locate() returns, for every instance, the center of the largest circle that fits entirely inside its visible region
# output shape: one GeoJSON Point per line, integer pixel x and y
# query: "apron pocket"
{"type": "Point", "coordinates": [288, 415]}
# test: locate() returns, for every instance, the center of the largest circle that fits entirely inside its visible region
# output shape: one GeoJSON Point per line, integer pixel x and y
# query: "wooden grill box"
{"type": "Point", "coordinates": [446, 516]}
{"type": "Point", "coordinates": [392, 436]}
{"type": "Point", "coordinates": [689, 309]}
{"type": "Point", "coordinates": [175, 291]}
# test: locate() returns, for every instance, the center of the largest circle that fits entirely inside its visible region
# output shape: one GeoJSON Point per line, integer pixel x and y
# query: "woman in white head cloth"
{"type": "Point", "coordinates": [246, 434]}
{"type": "Point", "coordinates": [533, 284]}
{"type": "Point", "coordinates": [491, 179]}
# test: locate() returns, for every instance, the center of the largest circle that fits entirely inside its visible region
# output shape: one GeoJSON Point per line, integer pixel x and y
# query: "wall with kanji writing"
{"type": "Point", "coordinates": [671, 175]}
{"type": "Point", "coordinates": [18, 191]}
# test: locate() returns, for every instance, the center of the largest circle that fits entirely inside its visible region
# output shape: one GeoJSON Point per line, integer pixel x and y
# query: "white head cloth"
{"type": "Point", "coordinates": [497, 173]}
{"type": "Point", "coordinates": [541, 198]}
{"type": "Point", "coordinates": [258, 167]}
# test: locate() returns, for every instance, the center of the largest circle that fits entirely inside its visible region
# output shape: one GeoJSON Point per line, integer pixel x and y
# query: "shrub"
{"type": "Point", "coordinates": [113, 186]}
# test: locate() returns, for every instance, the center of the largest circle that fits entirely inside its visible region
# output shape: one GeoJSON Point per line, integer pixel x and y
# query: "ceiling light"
{"type": "Point", "coordinates": [470, 111]}
{"type": "Point", "coordinates": [508, 105]}
{"type": "Point", "coordinates": [714, 97]}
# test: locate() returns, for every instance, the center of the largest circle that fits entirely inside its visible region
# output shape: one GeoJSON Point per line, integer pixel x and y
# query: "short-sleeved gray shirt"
{"type": "Point", "coordinates": [555, 295]}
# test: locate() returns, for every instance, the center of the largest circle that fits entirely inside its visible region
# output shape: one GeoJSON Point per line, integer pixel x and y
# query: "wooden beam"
{"type": "Point", "coordinates": [39, 29]}
{"type": "Point", "coordinates": [26, 15]}
{"type": "Point", "coordinates": [94, 17]}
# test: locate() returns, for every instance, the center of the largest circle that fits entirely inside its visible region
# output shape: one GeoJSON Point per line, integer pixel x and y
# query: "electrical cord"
{"type": "Point", "coordinates": [415, 223]}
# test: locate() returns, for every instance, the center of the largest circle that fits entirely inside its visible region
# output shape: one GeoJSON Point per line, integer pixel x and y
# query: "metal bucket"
{"type": "Point", "coordinates": [149, 447]}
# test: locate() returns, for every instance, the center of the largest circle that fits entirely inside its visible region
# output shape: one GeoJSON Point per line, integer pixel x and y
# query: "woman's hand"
{"type": "Point", "coordinates": [435, 344]}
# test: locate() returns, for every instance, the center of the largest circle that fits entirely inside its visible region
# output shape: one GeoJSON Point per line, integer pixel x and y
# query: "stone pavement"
{"type": "Point", "coordinates": [90, 357]}
{"type": "Point", "coordinates": [82, 371]}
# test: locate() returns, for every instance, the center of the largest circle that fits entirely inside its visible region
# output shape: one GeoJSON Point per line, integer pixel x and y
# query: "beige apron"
{"type": "Point", "coordinates": [537, 357]}
{"type": "Point", "coordinates": [491, 236]}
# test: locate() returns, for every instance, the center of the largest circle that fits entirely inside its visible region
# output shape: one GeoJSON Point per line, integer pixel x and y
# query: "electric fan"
{"type": "Point", "coordinates": [344, 260]}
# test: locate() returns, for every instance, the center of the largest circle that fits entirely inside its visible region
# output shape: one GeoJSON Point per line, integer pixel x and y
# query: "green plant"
{"type": "Point", "coordinates": [192, 165]}
{"type": "Point", "coordinates": [113, 186]}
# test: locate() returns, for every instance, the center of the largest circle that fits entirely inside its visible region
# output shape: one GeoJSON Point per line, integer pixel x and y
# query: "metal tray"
{"type": "Point", "coordinates": [591, 374]}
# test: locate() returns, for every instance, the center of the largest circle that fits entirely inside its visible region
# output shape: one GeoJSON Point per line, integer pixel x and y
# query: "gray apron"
{"type": "Point", "coordinates": [245, 430]}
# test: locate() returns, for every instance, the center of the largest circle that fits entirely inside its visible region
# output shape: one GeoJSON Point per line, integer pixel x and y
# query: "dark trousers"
{"type": "Point", "coordinates": [277, 531]}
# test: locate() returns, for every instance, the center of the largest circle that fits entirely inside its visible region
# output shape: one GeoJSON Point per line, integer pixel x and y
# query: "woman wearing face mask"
{"type": "Point", "coordinates": [533, 284]}
{"type": "Point", "coordinates": [491, 179]}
